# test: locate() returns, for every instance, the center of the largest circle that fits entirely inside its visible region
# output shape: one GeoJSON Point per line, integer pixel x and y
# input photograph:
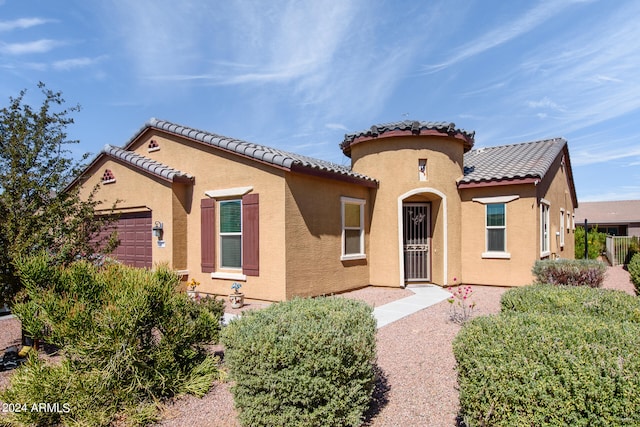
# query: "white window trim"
{"type": "Point", "coordinates": [362, 254]}
{"type": "Point", "coordinates": [228, 192]}
{"type": "Point", "coordinates": [562, 227]}
{"type": "Point", "coordinates": [495, 254]}
{"type": "Point", "coordinates": [545, 217]}
{"type": "Point", "coordinates": [221, 234]}
{"type": "Point", "coordinates": [495, 200]}
{"type": "Point", "coordinates": [228, 276]}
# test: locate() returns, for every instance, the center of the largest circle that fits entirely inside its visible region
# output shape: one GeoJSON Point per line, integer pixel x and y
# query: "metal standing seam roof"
{"type": "Point", "coordinates": [149, 165]}
{"type": "Point", "coordinates": [515, 161]}
{"type": "Point", "coordinates": [414, 126]}
{"type": "Point", "coordinates": [258, 152]}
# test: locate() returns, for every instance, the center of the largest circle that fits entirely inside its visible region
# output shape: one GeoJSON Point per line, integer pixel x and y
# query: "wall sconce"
{"type": "Point", "coordinates": [157, 230]}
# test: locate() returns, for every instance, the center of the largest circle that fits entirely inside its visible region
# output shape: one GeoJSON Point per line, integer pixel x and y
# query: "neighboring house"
{"type": "Point", "coordinates": [416, 205]}
{"type": "Point", "coordinates": [618, 218]}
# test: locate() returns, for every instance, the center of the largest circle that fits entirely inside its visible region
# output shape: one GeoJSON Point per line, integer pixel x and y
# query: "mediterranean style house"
{"type": "Point", "coordinates": [417, 205]}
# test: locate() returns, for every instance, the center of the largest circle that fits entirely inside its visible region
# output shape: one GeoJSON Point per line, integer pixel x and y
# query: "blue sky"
{"type": "Point", "coordinates": [298, 75]}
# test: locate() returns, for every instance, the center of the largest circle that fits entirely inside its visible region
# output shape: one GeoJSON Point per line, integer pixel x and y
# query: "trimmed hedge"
{"type": "Point", "coordinates": [634, 271]}
{"type": "Point", "coordinates": [541, 369]}
{"type": "Point", "coordinates": [306, 362]}
{"type": "Point", "coordinates": [528, 366]}
{"type": "Point", "coordinates": [551, 299]}
{"type": "Point", "coordinates": [570, 272]}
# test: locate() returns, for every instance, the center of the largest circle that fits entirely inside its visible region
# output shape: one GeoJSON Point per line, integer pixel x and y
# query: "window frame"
{"type": "Point", "coordinates": [222, 234]}
{"type": "Point", "coordinates": [505, 200]}
{"type": "Point", "coordinates": [545, 240]}
{"type": "Point", "coordinates": [344, 201]}
{"type": "Point", "coordinates": [562, 227]}
{"type": "Point", "coordinates": [488, 252]}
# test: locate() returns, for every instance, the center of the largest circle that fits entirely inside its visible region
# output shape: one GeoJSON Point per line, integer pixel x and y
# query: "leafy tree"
{"type": "Point", "coordinates": [595, 239]}
{"type": "Point", "coordinates": [37, 210]}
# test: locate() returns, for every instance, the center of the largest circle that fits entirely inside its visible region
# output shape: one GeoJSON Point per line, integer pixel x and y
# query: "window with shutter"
{"type": "Point", "coordinates": [251, 235]}
{"type": "Point", "coordinates": [207, 234]}
{"type": "Point", "coordinates": [231, 234]}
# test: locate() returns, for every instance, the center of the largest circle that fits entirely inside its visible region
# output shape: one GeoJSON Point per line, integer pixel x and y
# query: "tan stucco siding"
{"type": "Point", "coordinates": [314, 237]}
{"type": "Point", "coordinates": [135, 191]}
{"type": "Point", "coordinates": [556, 190]}
{"type": "Point", "coordinates": [522, 235]}
{"type": "Point", "coordinates": [394, 163]}
{"type": "Point", "coordinates": [226, 171]}
{"type": "Point", "coordinates": [179, 209]}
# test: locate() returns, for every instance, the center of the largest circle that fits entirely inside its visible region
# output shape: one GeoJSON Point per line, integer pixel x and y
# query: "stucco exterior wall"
{"type": "Point", "coordinates": [179, 210]}
{"type": "Point", "coordinates": [314, 237]}
{"type": "Point", "coordinates": [522, 231]}
{"type": "Point", "coordinates": [135, 191]}
{"type": "Point", "coordinates": [555, 189]}
{"type": "Point", "coordinates": [394, 162]}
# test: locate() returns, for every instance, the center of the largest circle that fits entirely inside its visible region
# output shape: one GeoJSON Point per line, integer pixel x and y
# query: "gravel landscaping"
{"type": "Point", "coordinates": [417, 379]}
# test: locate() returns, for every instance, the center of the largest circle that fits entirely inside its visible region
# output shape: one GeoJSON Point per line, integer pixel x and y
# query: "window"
{"type": "Point", "coordinates": [568, 223]}
{"type": "Point", "coordinates": [352, 228]}
{"type": "Point", "coordinates": [231, 234]}
{"type": "Point", "coordinates": [496, 223]}
{"type": "Point", "coordinates": [561, 228]}
{"type": "Point", "coordinates": [544, 228]}
{"type": "Point", "coordinates": [422, 169]}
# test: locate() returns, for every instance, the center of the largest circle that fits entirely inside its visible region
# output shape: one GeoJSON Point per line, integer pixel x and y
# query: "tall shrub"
{"type": "Point", "coordinates": [127, 337]}
{"type": "Point", "coordinates": [306, 362]}
{"type": "Point", "coordinates": [634, 271]}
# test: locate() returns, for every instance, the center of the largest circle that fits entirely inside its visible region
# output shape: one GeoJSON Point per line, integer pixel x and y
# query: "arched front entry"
{"type": "Point", "coordinates": [422, 244]}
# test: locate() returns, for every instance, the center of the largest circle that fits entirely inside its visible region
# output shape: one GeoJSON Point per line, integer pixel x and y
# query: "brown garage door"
{"type": "Point", "coordinates": [134, 234]}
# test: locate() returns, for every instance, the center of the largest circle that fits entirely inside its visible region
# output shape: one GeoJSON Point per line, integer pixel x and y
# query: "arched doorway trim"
{"type": "Point", "coordinates": [401, 199]}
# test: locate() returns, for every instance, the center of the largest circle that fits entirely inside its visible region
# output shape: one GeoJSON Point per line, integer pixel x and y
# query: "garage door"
{"type": "Point", "coordinates": [134, 234]}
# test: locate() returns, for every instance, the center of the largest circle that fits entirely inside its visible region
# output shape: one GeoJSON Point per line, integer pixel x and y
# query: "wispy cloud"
{"type": "Point", "coordinates": [498, 36]}
{"type": "Point", "coordinates": [38, 46]}
{"type": "Point", "coordinates": [73, 63]}
{"type": "Point", "coordinates": [22, 23]}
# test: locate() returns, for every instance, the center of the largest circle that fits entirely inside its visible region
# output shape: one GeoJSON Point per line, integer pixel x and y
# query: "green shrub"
{"type": "Point", "coordinates": [127, 337]}
{"type": "Point", "coordinates": [570, 272]}
{"type": "Point", "coordinates": [548, 370]}
{"type": "Point", "coordinates": [306, 362]}
{"type": "Point", "coordinates": [595, 239]}
{"type": "Point", "coordinates": [634, 271]}
{"type": "Point", "coordinates": [551, 299]}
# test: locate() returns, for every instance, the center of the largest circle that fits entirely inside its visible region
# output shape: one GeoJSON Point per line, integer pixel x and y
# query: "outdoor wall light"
{"type": "Point", "coordinates": [157, 230]}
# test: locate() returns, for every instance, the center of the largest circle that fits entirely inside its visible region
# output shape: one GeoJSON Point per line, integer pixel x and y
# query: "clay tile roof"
{"type": "Point", "coordinates": [409, 127]}
{"type": "Point", "coordinates": [149, 165]}
{"type": "Point", "coordinates": [516, 161]}
{"type": "Point", "coordinates": [274, 156]}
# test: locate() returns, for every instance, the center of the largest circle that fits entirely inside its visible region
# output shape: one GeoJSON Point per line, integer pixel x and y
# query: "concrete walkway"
{"type": "Point", "coordinates": [424, 297]}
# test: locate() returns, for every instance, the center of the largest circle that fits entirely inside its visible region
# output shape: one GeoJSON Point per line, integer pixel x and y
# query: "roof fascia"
{"type": "Point", "coordinates": [499, 182]}
{"type": "Point", "coordinates": [305, 170]}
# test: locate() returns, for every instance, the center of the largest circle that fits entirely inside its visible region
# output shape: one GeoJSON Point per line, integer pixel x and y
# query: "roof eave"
{"type": "Point", "coordinates": [306, 170]}
{"type": "Point", "coordinates": [499, 182]}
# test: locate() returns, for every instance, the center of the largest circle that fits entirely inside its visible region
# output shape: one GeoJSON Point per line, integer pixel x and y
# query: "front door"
{"type": "Point", "coordinates": [416, 241]}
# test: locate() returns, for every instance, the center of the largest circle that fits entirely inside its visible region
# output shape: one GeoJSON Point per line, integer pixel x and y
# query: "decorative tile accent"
{"type": "Point", "coordinates": [108, 177]}
{"type": "Point", "coordinates": [153, 146]}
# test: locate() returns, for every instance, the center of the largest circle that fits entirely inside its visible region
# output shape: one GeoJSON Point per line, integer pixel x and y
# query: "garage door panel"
{"type": "Point", "coordinates": [134, 234]}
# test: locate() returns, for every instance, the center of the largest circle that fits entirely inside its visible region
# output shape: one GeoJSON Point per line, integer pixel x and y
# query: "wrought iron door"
{"type": "Point", "coordinates": [416, 241]}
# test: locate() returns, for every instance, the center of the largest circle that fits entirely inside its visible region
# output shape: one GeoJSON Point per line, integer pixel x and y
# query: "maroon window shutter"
{"type": "Point", "coordinates": [250, 235]}
{"type": "Point", "coordinates": [208, 234]}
